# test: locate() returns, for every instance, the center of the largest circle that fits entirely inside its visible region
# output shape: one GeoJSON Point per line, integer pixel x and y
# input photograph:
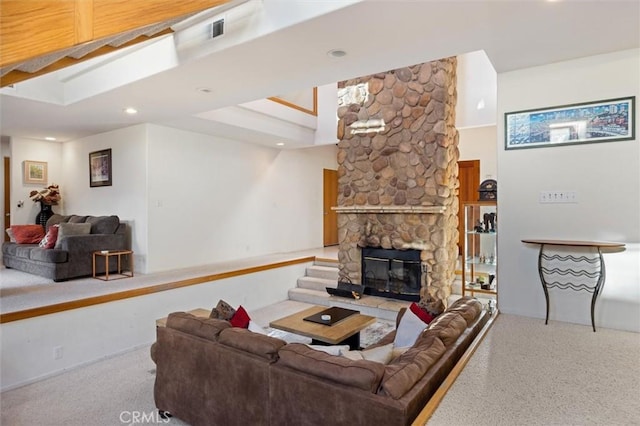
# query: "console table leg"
{"type": "Point", "coordinates": [544, 284]}
{"type": "Point", "coordinates": [597, 289]}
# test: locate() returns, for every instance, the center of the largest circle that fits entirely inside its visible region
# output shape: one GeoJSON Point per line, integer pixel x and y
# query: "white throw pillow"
{"type": "Point", "coordinates": [256, 328]}
{"type": "Point", "coordinates": [381, 354]}
{"type": "Point", "coordinates": [409, 329]}
{"type": "Point", "coordinates": [331, 350]}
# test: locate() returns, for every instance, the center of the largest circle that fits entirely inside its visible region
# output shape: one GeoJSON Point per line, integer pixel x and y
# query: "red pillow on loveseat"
{"type": "Point", "coordinates": [28, 234]}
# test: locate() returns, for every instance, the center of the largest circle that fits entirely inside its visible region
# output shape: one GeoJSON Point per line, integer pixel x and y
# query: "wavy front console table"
{"type": "Point", "coordinates": [553, 268]}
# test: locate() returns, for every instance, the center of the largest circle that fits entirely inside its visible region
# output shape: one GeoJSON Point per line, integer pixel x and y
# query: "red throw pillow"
{"type": "Point", "coordinates": [240, 318]}
{"type": "Point", "coordinates": [28, 234]}
{"type": "Point", "coordinates": [49, 240]}
{"type": "Point", "coordinates": [421, 313]}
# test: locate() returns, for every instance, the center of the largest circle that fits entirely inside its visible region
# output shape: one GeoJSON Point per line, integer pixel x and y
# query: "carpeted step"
{"type": "Point", "coordinates": [326, 272]}
{"type": "Point", "coordinates": [332, 263]}
{"type": "Point", "coordinates": [314, 283]}
{"type": "Point", "coordinates": [315, 297]}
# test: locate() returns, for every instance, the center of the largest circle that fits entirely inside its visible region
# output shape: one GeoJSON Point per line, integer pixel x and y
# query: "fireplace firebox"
{"type": "Point", "coordinates": [396, 274]}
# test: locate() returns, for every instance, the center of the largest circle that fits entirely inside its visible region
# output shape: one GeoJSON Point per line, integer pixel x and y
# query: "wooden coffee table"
{"type": "Point", "coordinates": [344, 332]}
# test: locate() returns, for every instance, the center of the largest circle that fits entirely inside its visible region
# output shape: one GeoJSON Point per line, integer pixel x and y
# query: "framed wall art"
{"type": "Point", "coordinates": [100, 168]}
{"type": "Point", "coordinates": [590, 122]}
{"type": "Point", "coordinates": [35, 172]}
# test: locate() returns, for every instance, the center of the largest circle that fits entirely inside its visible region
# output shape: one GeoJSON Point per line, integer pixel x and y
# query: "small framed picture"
{"type": "Point", "coordinates": [100, 168]}
{"type": "Point", "coordinates": [35, 172]}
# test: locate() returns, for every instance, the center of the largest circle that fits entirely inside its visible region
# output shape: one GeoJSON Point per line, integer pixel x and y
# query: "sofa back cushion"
{"type": "Point", "coordinates": [69, 229]}
{"type": "Point", "coordinates": [206, 328]}
{"type": "Point", "coordinates": [103, 224]}
{"type": "Point", "coordinates": [27, 234]}
{"type": "Point", "coordinates": [361, 374]}
{"type": "Point", "coordinates": [468, 308]}
{"type": "Point", "coordinates": [405, 371]}
{"type": "Point", "coordinates": [258, 344]}
{"type": "Point", "coordinates": [448, 327]}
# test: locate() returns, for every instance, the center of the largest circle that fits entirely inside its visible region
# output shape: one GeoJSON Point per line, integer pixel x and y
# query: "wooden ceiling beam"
{"type": "Point", "coordinates": [30, 29]}
{"type": "Point", "coordinates": [17, 76]}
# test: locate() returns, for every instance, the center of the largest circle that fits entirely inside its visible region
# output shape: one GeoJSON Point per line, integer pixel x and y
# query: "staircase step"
{"type": "Point", "coordinates": [315, 297]}
{"type": "Point", "coordinates": [326, 272]}
{"type": "Point", "coordinates": [332, 263]}
{"type": "Point", "coordinates": [314, 283]}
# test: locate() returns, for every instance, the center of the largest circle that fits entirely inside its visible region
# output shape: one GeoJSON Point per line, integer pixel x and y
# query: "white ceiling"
{"type": "Point", "coordinates": [273, 47]}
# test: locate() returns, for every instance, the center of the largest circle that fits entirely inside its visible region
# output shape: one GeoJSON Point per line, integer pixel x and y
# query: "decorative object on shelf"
{"type": "Point", "coordinates": [602, 121]}
{"type": "Point", "coordinates": [35, 172]}
{"type": "Point", "coordinates": [488, 190]}
{"type": "Point", "coordinates": [479, 227]}
{"type": "Point", "coordinates": [47, 197]}
{"type": "Point", "coordinates": [100, 168]}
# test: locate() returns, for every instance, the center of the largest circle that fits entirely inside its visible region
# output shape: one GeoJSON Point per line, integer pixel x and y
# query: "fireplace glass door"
{"type": "Point", "coordinates": [395, 274]}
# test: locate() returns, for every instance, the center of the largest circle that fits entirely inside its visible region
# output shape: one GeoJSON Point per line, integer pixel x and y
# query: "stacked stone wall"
{"type": "Point", "coordinates": [411, 163]}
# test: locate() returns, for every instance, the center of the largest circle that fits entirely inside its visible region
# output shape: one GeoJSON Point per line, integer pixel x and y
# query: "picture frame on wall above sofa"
{"type": "Point", "coordinates": [590, 122]}
{"type": "Point", "coordinates": [100, 168]}
{"type": "Point", "coordinates": [35, 172]}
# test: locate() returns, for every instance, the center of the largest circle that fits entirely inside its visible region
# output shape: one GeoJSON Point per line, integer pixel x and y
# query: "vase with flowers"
{"type": "Point", "coordinates": [47, 197]}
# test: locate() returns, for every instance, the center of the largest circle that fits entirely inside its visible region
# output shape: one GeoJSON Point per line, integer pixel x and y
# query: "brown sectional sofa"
{"type": "Point", "coordinates": [209, 373]}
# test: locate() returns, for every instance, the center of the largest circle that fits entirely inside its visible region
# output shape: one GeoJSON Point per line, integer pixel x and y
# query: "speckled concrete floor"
{"type": "Point", "coordinates": [526, 373]}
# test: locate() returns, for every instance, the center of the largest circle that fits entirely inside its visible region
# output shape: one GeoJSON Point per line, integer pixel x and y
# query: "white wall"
{"type": "Point", "coordinates": [126, 198]}
{"type": "Point", "coordinates": [606, 177]}
{"type": "Point", "coordinates": [327, 131]}
{"type": "Point", "coordinates": [479, 143]}
{"type": "Point", "coordinates": [213, 200]}
{"type": "Point", "coordinates": [99, 331]}
{"type": "Point", "coordinates": [34, 150]}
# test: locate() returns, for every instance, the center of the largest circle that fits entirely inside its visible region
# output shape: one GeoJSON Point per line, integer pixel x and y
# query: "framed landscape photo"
{"type": "Point", "coordinates": [602, 121]}
{"type": "Point", "coordinates": [100, 168]}
{"type": "Point", "coordinates": [35, 172]}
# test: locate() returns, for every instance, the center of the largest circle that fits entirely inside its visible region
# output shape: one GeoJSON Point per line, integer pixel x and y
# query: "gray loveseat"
{"type": "Point", "coordinates": [72, 257]}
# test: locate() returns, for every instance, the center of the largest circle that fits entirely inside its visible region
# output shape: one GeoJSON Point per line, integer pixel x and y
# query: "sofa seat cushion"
{"type": "Point", "coordinates": [362, 374]}
{"type": "Point", "coordinates": [24, 250]}
{"type": "Point", "coordinates": [468, 308]}
{"type": "Point", "coordinates": [48, 255]}
{"type": "Point", "coordinates": [103, 224]}
{"type": "Point", "coordinates": [206, 328]}
{"type": "Point", "coordinates": [448, 327]}
{"type": "Point", "coordinates": [258, 344]}
{"type": "Point", "coordinates": [405, 371]}
{"type": "Point", "coordinates": [9, 248]}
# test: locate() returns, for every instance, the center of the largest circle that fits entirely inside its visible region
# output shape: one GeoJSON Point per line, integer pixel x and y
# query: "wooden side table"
{"type": "Point", "coordinates": [127, 273]}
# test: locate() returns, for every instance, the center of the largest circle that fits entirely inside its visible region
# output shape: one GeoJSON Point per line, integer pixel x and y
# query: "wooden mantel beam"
{"type": "Point", "coordinates": [32, 28]}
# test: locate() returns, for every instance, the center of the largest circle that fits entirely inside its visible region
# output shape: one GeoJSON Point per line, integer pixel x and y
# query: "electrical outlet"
{"type": "Point", "coordinates": [57, 352]}
{"type": "Point", "coordinates": [558, 196]}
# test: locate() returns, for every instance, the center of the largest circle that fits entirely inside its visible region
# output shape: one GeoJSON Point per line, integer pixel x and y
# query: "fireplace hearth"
{"type": "Point", "coordinates": [391, 273]}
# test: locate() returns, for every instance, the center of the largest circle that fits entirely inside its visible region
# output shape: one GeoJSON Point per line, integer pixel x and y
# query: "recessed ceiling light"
{"type": "Point", "coordinates": [130, 110]}
{"type": "Point", "coordinates": [337, 53]}
{"type": "Point", "coordinates": [49, 138]}
{"type": "Point", "coordinates": [480, 104]}
{"type": "Point", "coordinates": [280, 144]}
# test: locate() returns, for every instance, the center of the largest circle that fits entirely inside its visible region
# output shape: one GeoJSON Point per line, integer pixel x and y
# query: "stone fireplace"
{"type": "Point", "coordinates": [398, 171]}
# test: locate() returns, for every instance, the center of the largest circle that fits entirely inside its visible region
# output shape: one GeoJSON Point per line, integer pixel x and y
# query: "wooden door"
{"type": "Point", "coordinates": [7, 196]}
{"type": "Point", "coordinates": [330, 224]}
{"type": "Point", "coordinates": [469, 176]}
